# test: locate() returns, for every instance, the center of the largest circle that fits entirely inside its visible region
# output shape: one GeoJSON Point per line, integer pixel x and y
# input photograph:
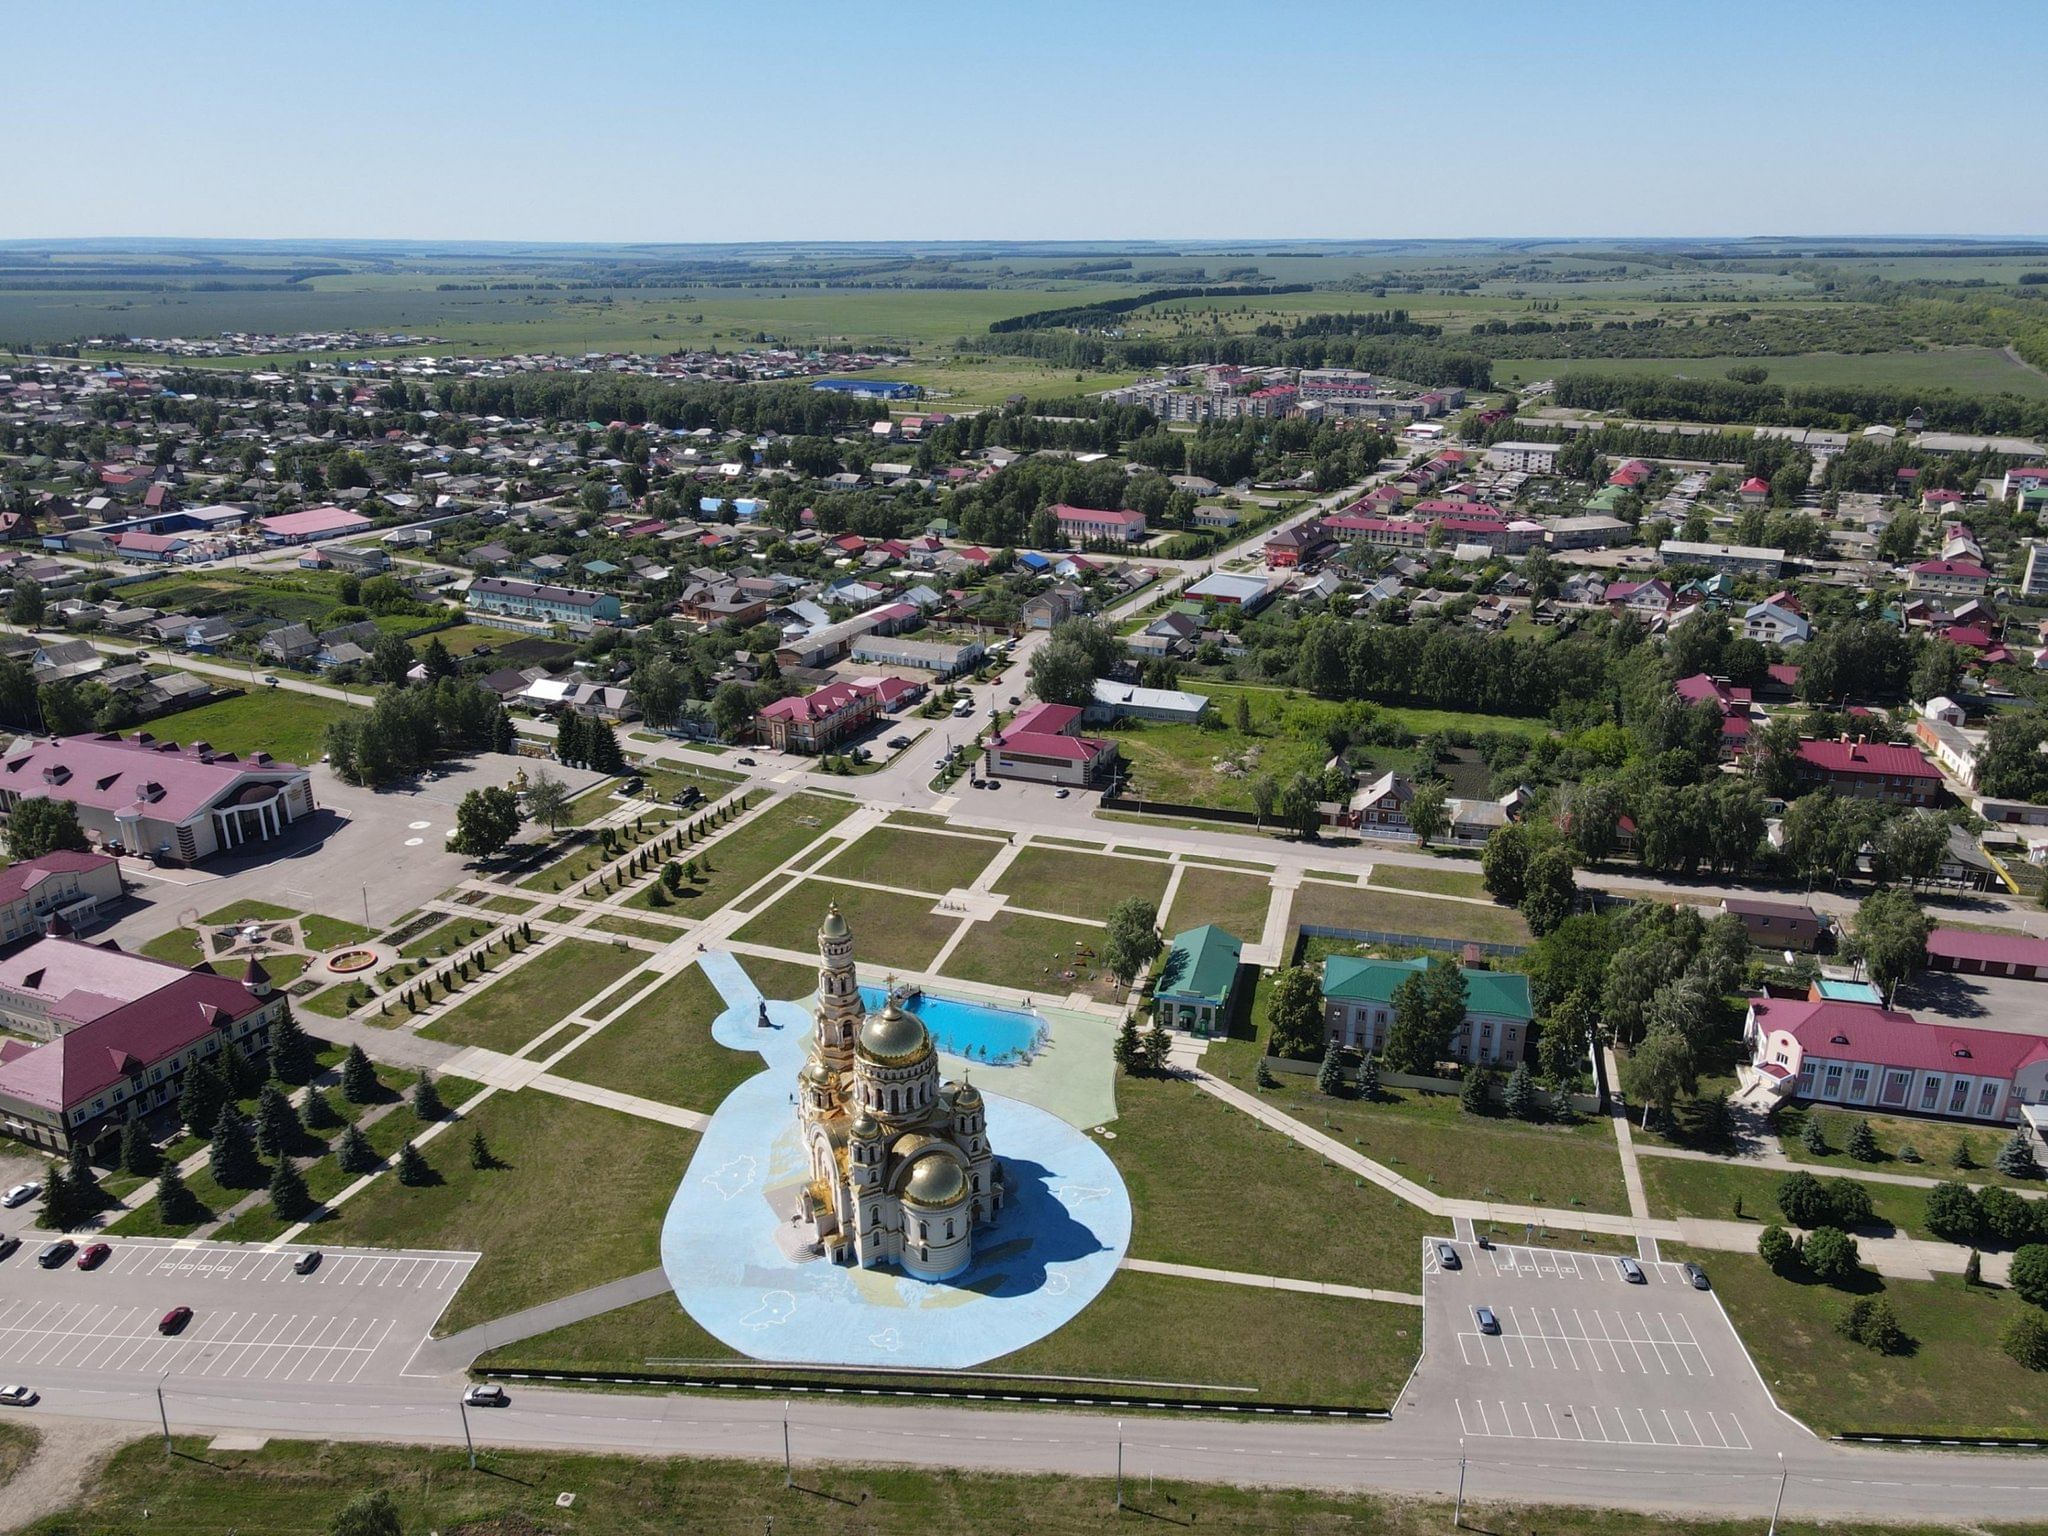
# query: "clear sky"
{"type": "Point", "coordinates": [1050, 119]}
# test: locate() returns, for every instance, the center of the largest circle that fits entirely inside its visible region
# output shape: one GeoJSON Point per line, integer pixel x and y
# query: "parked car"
{"type": "Point", "coordinates": [1060, 793]}
{"type": "Point", "coordinates": [1632, 1272]}
{"type": "Point", "coordinates": [174, 1319]}
{"type": "Point", "coordinates": [94, 1255]}
{"type": "Point", "coordinates": [54, 1254]}
{"type": "Point", "coordinates": [746, 762]}
{"type": "Point", "coordinates": [306, 1263]}
{"type": "Point", "coordinates": [8, 1245]}
{"type": "Point", "coordinates": [21, 1194]}
{"type": "Point", "coordinates": [1697, 1276]}
{"type": "Point", "coordinates": [1447, 1256]}
{"type": "Point", "coordinates": [270, 679]}
{"type": "Point", "coordinates": [898, 743]}
{"type": "Point", "coordinates": [19, 1397]}
{"type": "Point", "coordinates": [486, 1395]}
{"type": "Point", "coordinates": [1488, 1323]}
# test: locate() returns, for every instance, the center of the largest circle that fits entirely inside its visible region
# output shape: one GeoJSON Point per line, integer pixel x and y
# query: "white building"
{"type": "Point", "coordinates": [1527, 458]}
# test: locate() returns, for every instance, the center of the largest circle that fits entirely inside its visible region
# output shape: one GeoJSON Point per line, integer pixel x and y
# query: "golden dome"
{"type": "Point", "coordinates": [866, 1126]}
{"type": "Point", "coordinates": [967, 1096]}
{"type": "Point", "coordinates": [815, 1071]}
{"type": "Point", "coordinates": [936, 1180]}
{"type": "Point", "coordinates": [894, 1036]}
{"type": "Point", "coordinates": [834, 926]}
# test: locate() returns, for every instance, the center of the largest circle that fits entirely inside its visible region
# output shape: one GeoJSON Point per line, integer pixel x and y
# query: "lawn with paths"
{"type": "Point", "coordinates": [519, 1005]}
{"type": "Point", "coordinates": [1953, 1381]}
{"type": "Point", "coordinates": [1233, 902]}
{"type": "Point", "coordinates": [918, 861]}
{"type": "Point", "coordinates": [889, 929]}
{"type": "Point", "coordinates": [1287, 1211]}
{"type": "Point", "coordinates": [661, 1048]}
{"type": "Point", "coordinates": [1683, 1186]}
{"type": "Point", "coordinates": [1034, 955]}
{"type": "Point", "coordinates": [1343, 906]}
{"type": "Point", "coordinates": [578, 1201]}
{"type": "Point", "coordinates": [1935, 1140]}
{"type": "Point", "coordinates": [744, 855]}
{"type": "Point", "coordinates": [1065, 884]}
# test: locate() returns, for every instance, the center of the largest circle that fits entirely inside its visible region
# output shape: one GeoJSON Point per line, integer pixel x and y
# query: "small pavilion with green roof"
{"type": "Point", "coordinates": [1199, 980]}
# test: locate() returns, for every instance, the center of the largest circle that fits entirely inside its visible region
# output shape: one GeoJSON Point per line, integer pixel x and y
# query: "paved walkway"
{"type": "Point", "coordinates": [454, 1353]}
{"type": "Point", "coordinates": [625, 1103]}
{"type": "Point", "coordinates": [1271, 1282]}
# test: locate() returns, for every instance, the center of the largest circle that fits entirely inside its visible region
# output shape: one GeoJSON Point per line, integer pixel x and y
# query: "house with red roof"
{"type": "Point", "coordinates": [313, 523]}
{"type": "Point", "coordinates": [1733, 704]}
{"type": "Point", "coordinates": [1639, 597]}
{"type": "Point", "coordinates": [1869, 770]}
{"type": "Point", "coordinates": [119, 1033]}
{"type": "Point", "coordinates": [1754, 491]}
{"type": "Point", "coordinates": [1380, 532]}
{"type": "Point", "coordinates": [2019, 956]}
{"type": "Point", "coordinates": [1302, 544]}
{"type": "Point", "coordinates": [1949, 578]}
{"type": "Point", "coordinates": [1859, 1056]}
{"type": "Point", "coordinates": [63, 884]}
{"type": "Point", "coordinates": [1044, 744]}
{"type": "Point", "coordinates": [1630, 475]}
{"type": "Point", "coordinates": [817, 722]}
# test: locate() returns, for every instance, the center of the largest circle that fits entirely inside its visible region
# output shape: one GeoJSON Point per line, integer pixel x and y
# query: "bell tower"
{"type": "Point", "coordinates": [838, 1015]}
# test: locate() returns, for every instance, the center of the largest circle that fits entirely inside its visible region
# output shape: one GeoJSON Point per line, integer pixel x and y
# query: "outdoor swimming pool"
{"type": "Point", "coordinates": [997, 1036]}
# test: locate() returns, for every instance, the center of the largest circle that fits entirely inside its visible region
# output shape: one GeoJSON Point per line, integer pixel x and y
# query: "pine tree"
{"type": "Point", "coordinates": [277, 1124]}
{"type": "Point", "coordinates": [480, 1155]}
{"type": "Point", "coordinates": [289, 1198]}
{"type": "Point", "coordinates": [569, 740]}
{"type": "Point", "coordinates": [2016, 1158]}
{"type": "Point", "coordinates": [1863, 1142]}
{"type": "Point", "coordinates": [1472, 1096]}
{"type": "Point", "coordinates": [1369, 1078]}
{"type": "Point", "coordinates": [1130, 1052]}
{"type": "Point", "coordinates": [205, 1093]}
{"type": "Point", "coordinates": [138, 1152]}
{"type": "Point", "coordinates": [1264, 1078]}
{"type": "Point", "coordinates": [426, 1099]}
{"type": "Point", "coordinates": [176, 1205]}
{"type": "Point", "coordinates": [355, 1154]}
{"type": "Point", "coordinates": [291, 1052]}
{"type": "Point", "coordinates": [412, 1167]}
{"type": "Point", "coordinates": [1813, 1135]}
{"type": "Point", "coordinates": [244, 1077]}
{"type": "Point", "coordinates": [1158, 1045]}
{"type": "Point", "coordinates": [1962, 1157]}
{"type": "Point", "coordinates": [232, 1155]}
{"type": "Point", "coordinates": [1520, 1095]}
{"type": "Point", "coordinates": [358, 1077]}
{"type": "Point", "coordinates": [1330, 1079]}
{"type": "Point", "coordinates": [82, 1185]}
{"type": "Point", "coordinates": [320, 1113]}
{"type": "Point", "coordinates": [58, 1213]}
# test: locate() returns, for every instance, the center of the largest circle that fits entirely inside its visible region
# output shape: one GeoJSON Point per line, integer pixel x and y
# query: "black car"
{"type": "Point", "coordinates": [1697, 1276]}
{"type": "Point", "coordinates": [8, 1245]}
{"type": "Point", "coordinates": [55, 1254]}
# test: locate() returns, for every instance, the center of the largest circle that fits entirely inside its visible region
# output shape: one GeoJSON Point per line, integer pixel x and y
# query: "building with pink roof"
{"type": "Point", "coordinates": [61, 883]}
{"type": "Point", "coordinates": [313, 523]}
{"type": "Point", "coordinates": [1043, 744]}
{"type": "Point", "coordinates": [178, 804]}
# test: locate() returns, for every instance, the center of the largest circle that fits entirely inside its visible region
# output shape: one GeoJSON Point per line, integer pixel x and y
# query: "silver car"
{"type": "Point", "coordinates": [21, 1194]}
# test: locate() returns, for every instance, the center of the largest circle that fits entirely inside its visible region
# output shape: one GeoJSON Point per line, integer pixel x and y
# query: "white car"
{"type": "Point", "coordinates": [18, 1397]}
{"type": "Point", "coordinates": [21, 1194]}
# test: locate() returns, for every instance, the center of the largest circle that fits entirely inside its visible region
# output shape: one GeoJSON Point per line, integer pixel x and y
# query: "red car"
{"type": "Point", "coordinates": [174, 1319]}
{"type": "Point", "coordinates": [93, 1255]}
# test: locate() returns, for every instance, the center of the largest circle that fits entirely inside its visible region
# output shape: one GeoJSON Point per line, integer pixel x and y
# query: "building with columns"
{"type": "Point", "coordinates": [901, 1169]}
{"type": "Point", "coordinates": [177, 804]}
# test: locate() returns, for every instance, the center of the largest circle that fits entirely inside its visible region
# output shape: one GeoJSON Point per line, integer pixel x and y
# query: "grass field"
{"type": "Point", "coordinates": [1935, 1140]}
{"type": "Point", "coordinates": [889, 929]}
{"type": "Point", "coordinates": [578, 1202]}
{"type": "Point", "coordinates": [1235, 903]}
{"type": "Point", "coordinates": [1338, 906]}
{"type": "Point", "coordinates": [918, 861]}
{"type": "Point", "coordinates": [288, 725]}
{"type": "Point", "coordinates": [783, 980]}
{"type": "Point", "coordinates": [1955, 1380]}
{"type": "Point", "coordinates": [1176, 1146]}
{"type": "Point", "coordinates": [1032, 954]}
{"type": "Point", "coordinates": [743, 856]}
{"type": "Point", "coordinates": [1441, 881]}
{"type": "Point", "coordinates": [1078, 884]}
{"type": "Point", "coordinates": [1969, 369]}
{"type": "Point", "coordinates": [515, 1008]}
{"type": "Point", "coordinates": [661, 1048]}
{"type": "Point", "coordinates": [1686, 1187]}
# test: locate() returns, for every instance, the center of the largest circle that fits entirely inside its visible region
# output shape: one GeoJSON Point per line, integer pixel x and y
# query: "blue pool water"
{"type": "Point", "coordinates": [976, 1031]}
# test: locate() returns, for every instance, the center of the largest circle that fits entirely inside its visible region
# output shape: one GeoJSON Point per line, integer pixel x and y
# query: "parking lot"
{"type": "Point", "coordinates": [1582, 1354]}
{"type": "Point", "coordinates": [357, 1317]}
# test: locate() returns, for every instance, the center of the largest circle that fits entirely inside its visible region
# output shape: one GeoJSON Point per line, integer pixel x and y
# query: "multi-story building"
{"type": "Point", "coordinates": [60, 884]}
{"type": "Point", "coordinates": [816, 722]}
{"type": "Point", "coordinates": [1359, 1013]}
{"type": "Point", "coordinates": [2034, 583]}
{"type": "Point", "coordinates": [1527, 458]}
{"type": "Point", "coordinates": [515, 599]}
{"type": "Point", "coordinates": [1949, 578]}
{"type": "Point", "coordinates": [1870, 770]}
{"type": "Point", "coordinates": [1044, 744]}
{"type": "Point", "coordinates": [1079, 523]}
{"type": "Point", "coordinates": [1735, 559]}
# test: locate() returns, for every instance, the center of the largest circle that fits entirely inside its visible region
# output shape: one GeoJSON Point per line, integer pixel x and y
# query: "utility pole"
{"type": "Point", "coordinates": [788, 1471]}
{"type": "Point", "coordinates": [1775, 1508]}
{"type": "Point", "coordinates": [1458, 1514]}
{"type": "Point", "coordinates": [462, 1403]}
{"type": "Point", "coordinates": [162, 1415]}
{"type": "Point", "coordinates": [1119, 1464]}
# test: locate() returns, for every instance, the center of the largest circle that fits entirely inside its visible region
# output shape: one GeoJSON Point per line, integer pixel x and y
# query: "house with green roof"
{"type": "Point", "coordinates": [1358, 1008]}
{"type": "Point", "coordinates": [1196, 986]}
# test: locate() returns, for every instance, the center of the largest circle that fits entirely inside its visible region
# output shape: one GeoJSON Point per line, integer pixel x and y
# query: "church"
{"type": "Point", "coordinates": [901, 1171]}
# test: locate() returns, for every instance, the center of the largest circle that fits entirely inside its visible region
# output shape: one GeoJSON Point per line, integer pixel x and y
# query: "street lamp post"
{"type": "Point", "coordinates": [1775, 1508]}
{"type": "Point", "coordinates": [163, 1415]}
{"type": "Point", "coordinates": [1458, 1514]}
{"type": "Point", "coordinates": [788, 1472]}
{"type": "Point", "coordinates": [1119, 1464]}
{"type": "Point", "coordinates": [462, 1403]}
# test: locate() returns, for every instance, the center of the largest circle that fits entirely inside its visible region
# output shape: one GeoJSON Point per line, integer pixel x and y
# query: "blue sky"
{"type": "Point", "coordinates": [758, 120]}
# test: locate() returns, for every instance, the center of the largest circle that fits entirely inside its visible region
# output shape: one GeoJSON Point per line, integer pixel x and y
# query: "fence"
{"type": "Point", "coordinates": [1175, 808]}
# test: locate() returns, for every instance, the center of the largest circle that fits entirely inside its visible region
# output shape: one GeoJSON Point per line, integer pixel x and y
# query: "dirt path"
{"type": "Point", "coordinates": [71, 1453]}
{"type": "Point", "coordinates": [2012, 355]}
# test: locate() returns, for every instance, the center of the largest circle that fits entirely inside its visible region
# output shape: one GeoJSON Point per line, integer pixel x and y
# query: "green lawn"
{"type": "Point", "coordinates": [554, 984]}
{"type": "Point", "coordinates": [1234, 903]}
{"type": "Point", "coordinates": [635, 929]}
{"type": "Point", "coordinates": [742, 857]}
{"type": "Point", "coordinates": [781, 980]}
{"type": "Point", "coordinates": [661, 1048]}
{"type": "Point", "coordinates": [1687, 1187]}
{"type": "Point", "coordinates": [1288, 1211]}
{"type": "Point", "coordinates": [1032, 954]}
{"type": "Point", "coordinates": [888, 928]}
{"type": "Point", "coordinates": [1445, 880]}
{"type": "Point", "coordinates": [1954, 1381]}
{"type": "Point", "coordinates": [321, 932]}
{"type": "Point", "coordinates": [1078, 884]}
{"type": "Point", "coordinates": [287, 724]}
{"type": "Point", "coordinates": [918, 861]}
{"type": "Point", "coordinates": [1338, 906]}
{"type": "Point", "coordinates": [580, 1202]}
{"type": "Point", "coordinates": [1935, 1140]}
{"type": "Point", "coordinates": [458, 933]}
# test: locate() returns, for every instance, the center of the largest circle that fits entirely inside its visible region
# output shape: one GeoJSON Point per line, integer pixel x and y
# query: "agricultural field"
{"type": "Point", "coordinates": [1970, 369]}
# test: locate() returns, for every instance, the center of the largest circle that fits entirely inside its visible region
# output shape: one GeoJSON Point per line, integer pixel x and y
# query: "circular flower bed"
{"type": "Point", "coordinates": [344, 962]}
